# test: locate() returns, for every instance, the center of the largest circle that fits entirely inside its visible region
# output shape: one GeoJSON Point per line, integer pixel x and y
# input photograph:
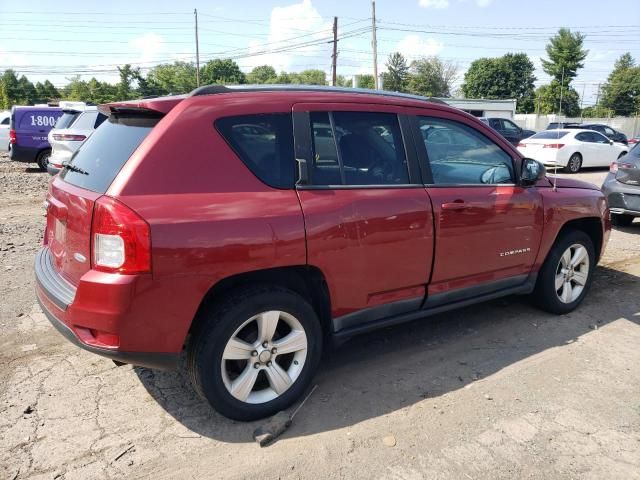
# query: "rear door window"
{"type": "Point", "coordinates": [99, 119]}
{"type": "Point", "coordinates": [97, 162]}
{"type": "Point", "coordinates": [358, 149]}
{"type": "Point", "coordinates": [264, 143]}
{"type": "Point", "coordinates": [5, 121]}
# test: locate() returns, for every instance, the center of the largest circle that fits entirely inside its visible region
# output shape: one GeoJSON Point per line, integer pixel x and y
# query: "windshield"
{"type": "Point", "coordinates": [97, 162]}
{"type": "Point", "coordinates": [548, 134]}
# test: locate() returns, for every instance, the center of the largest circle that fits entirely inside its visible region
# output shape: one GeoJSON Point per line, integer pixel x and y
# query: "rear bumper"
{"type": "Point", "coordinates": [19, 153]}
{"type": "Point", "coordinates": [77, 319]}
{"type": "Point", "coordinates": [53, 169]}
{"type": "Point", "coordinates": [621, 198]}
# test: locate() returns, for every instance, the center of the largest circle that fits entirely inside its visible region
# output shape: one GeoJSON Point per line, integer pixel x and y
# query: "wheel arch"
{"type": "Point", "coordinates": [592, 226]}
{"type": "Point", "coordinates": [306, 280]}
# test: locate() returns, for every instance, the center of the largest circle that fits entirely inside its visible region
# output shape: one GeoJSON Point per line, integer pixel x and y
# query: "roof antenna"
{"type": "Point", "coordinates": [555, 171]}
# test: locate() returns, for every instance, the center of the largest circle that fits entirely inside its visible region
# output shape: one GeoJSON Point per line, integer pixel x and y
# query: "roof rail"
{"type": "Point", "coordinates": [215, 89]}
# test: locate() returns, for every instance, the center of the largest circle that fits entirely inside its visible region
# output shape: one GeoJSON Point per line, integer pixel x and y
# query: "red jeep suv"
{"type": "Point", "coordinates": [247, 226]}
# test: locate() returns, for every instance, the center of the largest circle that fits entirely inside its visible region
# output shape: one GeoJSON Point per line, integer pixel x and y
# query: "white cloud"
{"type": "Point", "coordinates": [434, 3]}
{"type": "Point", "coordinates": [285, 25]}
{"type": "Point", "coordinates": [413, 47]}
{"type": "Point", "coordinates": [484, 3]}
{"type": "Point", "coordinates": [148, 46]}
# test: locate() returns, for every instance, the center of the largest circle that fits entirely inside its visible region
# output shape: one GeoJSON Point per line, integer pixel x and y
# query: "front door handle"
{"type": "Point", "coordinates": [455, 205]}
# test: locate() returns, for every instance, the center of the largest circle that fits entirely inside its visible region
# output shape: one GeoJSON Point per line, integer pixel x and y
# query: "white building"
{"type": "Point", "coordinates": [484, 108]}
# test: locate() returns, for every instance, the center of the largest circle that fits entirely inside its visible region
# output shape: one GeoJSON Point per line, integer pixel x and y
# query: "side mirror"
{"type": "Point", "coordinates": [610, 142]}
{"type": "Point", "coordinates": [532, 171]}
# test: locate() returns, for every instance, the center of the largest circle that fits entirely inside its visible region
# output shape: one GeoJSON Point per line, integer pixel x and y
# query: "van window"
{"type": "Point", "coordinates": [458, 154]}
{"type": "Point", "coordinates": [264, 143]}
{"type": "Point", "coordinates": [99, 159]}
{"type": "Point", "coordinates": [358, 149]}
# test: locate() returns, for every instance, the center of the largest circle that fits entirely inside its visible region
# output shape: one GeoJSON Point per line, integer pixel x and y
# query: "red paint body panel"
{"type": "Point", "coordinates": [371, 244]}
{"type": "Point", "coordinates": [211, 218]}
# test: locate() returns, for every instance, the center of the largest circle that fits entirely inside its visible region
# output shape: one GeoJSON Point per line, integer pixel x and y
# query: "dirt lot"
{"type": "Point", "coordinates": [498, 390]}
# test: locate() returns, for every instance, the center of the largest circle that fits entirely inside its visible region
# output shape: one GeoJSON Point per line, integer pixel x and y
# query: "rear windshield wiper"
{"type": "Point", "coordinates": [73, 168]}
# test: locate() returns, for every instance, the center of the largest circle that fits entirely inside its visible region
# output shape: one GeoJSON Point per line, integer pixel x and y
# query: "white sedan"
{"type": "Point", "coordinates": [572, 149]}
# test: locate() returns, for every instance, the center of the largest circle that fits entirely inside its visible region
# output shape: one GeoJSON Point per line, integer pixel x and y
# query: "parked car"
{"type": "Point", "coordinates": [605, 130]}
{"type": "Point", "coordinates": [508, 129]}
{"type": "Point", "coordinates": [572, 149]}
{"type": "Point", "coordinates": [29, 127]}
{"type": "Point", "coordinates": [5, 119]}
{"type": "Point", "coordinates": [622, 188]}
{"type": "Point", "coordinates": [254, 250]}
{"type": "Point", "coordinates": [73, 127]}
{"type": "Point", "coordinates": [559, 125]}
{"type": "Point", "coordinates": [633, 140]}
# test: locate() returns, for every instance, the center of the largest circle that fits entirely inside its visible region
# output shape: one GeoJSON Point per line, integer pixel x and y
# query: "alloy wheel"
{"type": "Point", "coordinates": [264, 357]}
{"type": "Point", "coordinates": [572, 273]}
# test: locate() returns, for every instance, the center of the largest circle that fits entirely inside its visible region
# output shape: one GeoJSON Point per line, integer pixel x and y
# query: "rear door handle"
{"type": "Point", "coordinates": [455, 205]}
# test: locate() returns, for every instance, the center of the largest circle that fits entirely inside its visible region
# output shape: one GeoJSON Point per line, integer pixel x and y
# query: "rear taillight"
{"type": "Point", "coordinates": [522, 144]}
{"type": "Point", "coordinates": [121, 239]}
{"type": "Point", "coordinates": [13, 138]}
{"type": "Point", "coordinates": [613, 168]}
{"type": "Point", "coordinates": [65, 137]}
{"type": "Point", "coordinates": [554, 145]}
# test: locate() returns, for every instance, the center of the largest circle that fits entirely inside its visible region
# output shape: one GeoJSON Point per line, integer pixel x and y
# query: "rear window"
{"type": "Point", "coordinates": [97, 162]}
{"type": "Point", "coordinates": [549, 134]}
{"type": "Point", "coordinates": [264, 143]}
{"type": "Point", "coordinates": [67, 119]}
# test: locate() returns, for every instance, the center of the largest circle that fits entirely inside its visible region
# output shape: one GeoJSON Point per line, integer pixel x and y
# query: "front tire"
{"type": "Point", "coordinates": [43, 159]}
{"type": "Point", "coordinates": [566, 275]}
{"type": "Point", "coordinates": [574, 164]}
{"type": "Point", "coordinates": [255, 353]}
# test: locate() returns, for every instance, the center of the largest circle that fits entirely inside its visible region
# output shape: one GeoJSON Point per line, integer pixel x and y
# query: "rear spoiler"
{"type": "Point", "coordinates": [147, 106]}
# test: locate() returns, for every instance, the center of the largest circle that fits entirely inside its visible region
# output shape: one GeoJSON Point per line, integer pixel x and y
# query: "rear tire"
{"type": "Point", "coordinates": [43, 159]}
{"type": "Point", "coordinates": [621, 219]}
{"type": "Point", "coordinates": [228, 346]}
{"type": "Point", "coordinates": [574, 164]}
{"type": "Point", "coordinates": [558, 273]}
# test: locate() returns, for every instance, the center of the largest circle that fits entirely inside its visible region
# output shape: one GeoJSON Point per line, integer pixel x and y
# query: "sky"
{"type": "Point", "coordinates": [56, 40]}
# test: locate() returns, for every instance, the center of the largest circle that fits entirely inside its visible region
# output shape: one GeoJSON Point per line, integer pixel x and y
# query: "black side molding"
{"type": "Point", "coordinates": [58, 290]}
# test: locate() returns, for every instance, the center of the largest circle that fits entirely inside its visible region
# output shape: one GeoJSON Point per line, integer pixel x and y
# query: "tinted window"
{"type": "Point", "coordinates": [264, 143]}
{"type": "Point", "coordinates": [494, 123]}
{"type": "Point", "coordinates": [99, 119]}
{"type": "Point", "coordinates": [510, 126]}
{"type": "Point", "coordinates": [549, 134]}
{"type": "Point", "coordinates": [103, 154]}
{"type": "Point", "coordinates": [584, 137]}
{"type": "Point", "coordinates": [67, 119]}
{"type": "Point", "coordinates": [459, 154]}
{"type": "Point", "coordinates": [598, 138]}
{"type": "Point", "coordinates": [5, 121]}
{"type": "Point", "coordinates": [357, 148]}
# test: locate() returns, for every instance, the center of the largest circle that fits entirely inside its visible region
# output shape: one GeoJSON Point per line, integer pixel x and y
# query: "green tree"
{"type": "Point", "coordinates": [222, 71]}
{"type": "Point", "coordinates": [432, 77]}
{"type": "Point", "coordinates": [397, 75]}
{"type": "Point", "coordinates": [509, 76]}
{"type": "Point", "coordinates": [621, 93]}
{"type": "Point", "coordinates": [77, 90]}
{"type": "Point", "coordinates": [566, 55]}
{"type": "Point", "coordinates": [10, 82]}
{"type": "Point", "coordinates": [342, 81]}
{"type": "Point", "coordinates": [178, 77]}
{"type": "Point", "coordinates": [49, 91]}
{"type": "Point", "coordinates": [5, 104]}
{"type": "Point", "coordinates": [597, 111]}
{"type": "Point", "coordinates": [28, 94]}
{"type": "Point", "coordinates": [365, 81]}
{"type": "Point", "coordinates": [548, 100]}
{"type": "Point", "coordinates": [311, 77]}
{"type": "Point", "coordinates": [127, 76]}
{"type": "Point", "coordinates": [262, 74]}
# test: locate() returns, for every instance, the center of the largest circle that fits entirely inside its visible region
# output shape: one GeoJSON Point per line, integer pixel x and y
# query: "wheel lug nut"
{"type": "Point", "coordinates": [265, 344]}
{"type": "Point", "coordinates": [254, 354]}
{"type": "Point", "coordinates": [256, 365]}
{"type": "Point", "coordinates": [274, 350]}
{"type": "Point", "coordinates": [268, 364]}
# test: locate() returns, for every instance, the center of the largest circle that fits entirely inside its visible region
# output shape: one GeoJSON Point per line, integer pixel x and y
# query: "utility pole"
{"type": "Point", "coordinates": [561, 91]}
{"type": "Point", "coordinates": [582, 102]}
{"type": "Point", "coordinates": [334, 57]}
{"type": "Point", "coordinates": [374, 44]}
{"type": "Point", "coordinates": [195, 13]}
{"type": "Point", "coordinates": [597, 99]}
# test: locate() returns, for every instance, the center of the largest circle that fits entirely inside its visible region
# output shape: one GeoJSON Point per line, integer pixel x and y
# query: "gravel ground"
{"type": "Point", "coordinates": [498, 390]}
